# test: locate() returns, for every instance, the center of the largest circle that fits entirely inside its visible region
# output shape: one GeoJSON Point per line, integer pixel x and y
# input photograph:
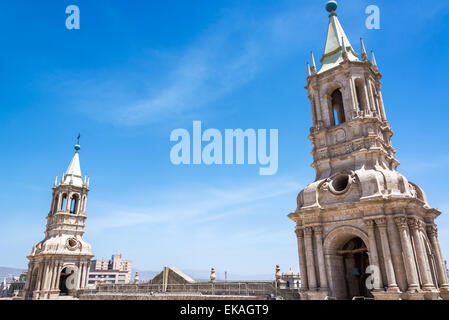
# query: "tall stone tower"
{"type": "Point", "coordinates": [60, 263]}
{"type": "Point", "coordinates": [362, 228]}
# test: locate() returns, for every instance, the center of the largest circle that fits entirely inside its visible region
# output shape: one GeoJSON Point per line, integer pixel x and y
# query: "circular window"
{"type": "Point", "coordinates": [340, 184]}
{"type": "Point", "coordinates": [72, 243]}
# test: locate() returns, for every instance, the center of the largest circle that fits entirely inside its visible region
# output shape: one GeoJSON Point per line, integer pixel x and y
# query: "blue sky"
{"type": "Point", "coordinates": [136, 70]}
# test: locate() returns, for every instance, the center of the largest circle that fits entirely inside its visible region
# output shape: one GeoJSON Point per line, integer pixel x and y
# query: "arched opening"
{"type": "Point", "coordinates": [359, 89]}
{"type": "Point", "coordinates": [348, 260]}
{"type": "Point", "coordinates": [63, 202]}
{"type": "Point", "coordinates": [67, 280]}
{"type": "Point", "coordinates": [338, 111]}
{"type": "Point", "coordinates": [74, 204]}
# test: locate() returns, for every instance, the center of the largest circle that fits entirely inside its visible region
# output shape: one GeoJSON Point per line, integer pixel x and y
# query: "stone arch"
{"type": "Point", "coordinates": [74, 203]}
{"type": "Point", "coordinates": [340, 235]}
{"type": "Point", "coordinates": [328, 105]}
{"type": "Point", "coordinates": [67, 281]}
{"type": "Point", "coordinates": [337, 107]}
{"type": "Point", "coordinates": [340, 264]}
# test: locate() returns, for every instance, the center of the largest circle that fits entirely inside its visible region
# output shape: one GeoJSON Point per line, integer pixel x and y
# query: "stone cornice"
{"type": "Point", "coordinates": [369, 208]}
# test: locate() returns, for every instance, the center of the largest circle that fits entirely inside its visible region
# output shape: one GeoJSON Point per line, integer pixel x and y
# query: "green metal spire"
{"type": "Point", "coordinates": [336, 42]}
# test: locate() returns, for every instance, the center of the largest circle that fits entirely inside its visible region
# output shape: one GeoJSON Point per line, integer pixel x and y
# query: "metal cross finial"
{"type": "Point", "coordinates": [79, 137]}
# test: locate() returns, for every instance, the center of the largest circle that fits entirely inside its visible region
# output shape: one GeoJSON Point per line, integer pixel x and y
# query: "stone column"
{"type": "Point", "coordinates": [47, 283]}
{"type": "Point", "coordinates": [67, 205]}
{"type": "Point", "coordinates": [58, 202]}
{"type": "Point", "coordinates": [45, 277]}
{"type": "Point", "coordinates": [85, 271]}
{"type": "Point", "coordinates": [39, 277]}
{"type": "Point", "coordinates": [78, 276]}
{"type": "Point", "coordinates": [30, 274]}
{"type": "Point", "coordinates": [353, 91]}
{"type": "Point", "coordinates": [432, 233]}
{"type": "Point", "coordinates": [318, 230]}
{"type": "Point", "coordinates": [381, 104]}
{"type": "Point", "coordinates": [312, 103]}
{"type": "Point", "coordinates": [389, 269]}
{"type": "Point", "coordinates": [371, 103]}
{"type": "Point", "coordinates": [311, 275]}
{"type": "Point", "coordinates": [421, 255]}
{"type": "Point", "coordinates": [58, 274]}
{"type": "Point", "coordinates": [87, 274]}
{"type": "Point", "coordinates": [316, 99]}
{"type": "Point", "coordinates": [302, 258]}
{"type": "Point", "coordinates": [55, 285]}
{"type": "Point", "coordinates": [373, 253]}
{"type": "Point", "coordinates": [408, 257]}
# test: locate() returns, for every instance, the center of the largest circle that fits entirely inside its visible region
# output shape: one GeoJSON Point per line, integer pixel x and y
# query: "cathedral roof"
{"type": "Point", "coordinates": [336, 43]}
{"type": "Point", "coordinates": [73, 174]}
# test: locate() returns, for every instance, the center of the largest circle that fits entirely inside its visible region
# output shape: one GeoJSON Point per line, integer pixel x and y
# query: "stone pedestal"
{"type": "Point", "coordinates": [387, 295]}
{"type": "Point", "coordinates": [413, 295]}
{"type": "Point", "coordinates": [53, 295]}
{"type": "Point", "coordinates": [444, 294]}
{"type": "Point", "coordinates": [431, 295]}
{"type": "Point", "coordinates": [314, 295]}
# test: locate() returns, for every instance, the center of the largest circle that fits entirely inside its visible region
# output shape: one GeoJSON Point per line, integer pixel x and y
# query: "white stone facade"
{"type": "Point", "coordinates": [60, 263]}
{"type": "Point", "coordinates": [361, 212]}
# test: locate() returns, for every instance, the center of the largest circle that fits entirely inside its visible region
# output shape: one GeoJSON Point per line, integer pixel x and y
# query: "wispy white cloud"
{"type": "Point", "coordinates": [197, 205]}
{"type": "Point", "coordinates": [225, 57]}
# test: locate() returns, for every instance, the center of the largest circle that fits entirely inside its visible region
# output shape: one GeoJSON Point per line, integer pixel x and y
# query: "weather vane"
{"type": "Point", "coordinates": [79, 137]}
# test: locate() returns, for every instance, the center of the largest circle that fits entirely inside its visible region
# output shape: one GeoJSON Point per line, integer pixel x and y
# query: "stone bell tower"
{"type": "Point", "coordinates": [60, 263]}
{"type": "Point", "coordinates": [362, 228]}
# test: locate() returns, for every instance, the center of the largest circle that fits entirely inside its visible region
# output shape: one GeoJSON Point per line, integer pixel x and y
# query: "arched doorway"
{"type": "Point", "coordinates": [347, 259]}
{"type": "Point", "coordinates": [67, 280]}
{"type": "Point", "coordinates": [355, 262]}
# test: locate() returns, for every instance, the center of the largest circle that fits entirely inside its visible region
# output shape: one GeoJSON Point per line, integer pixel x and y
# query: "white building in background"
{"type": "Point", "coordinates": [114, 271]}
{"type": "Point", "coordinates": [288, 280]}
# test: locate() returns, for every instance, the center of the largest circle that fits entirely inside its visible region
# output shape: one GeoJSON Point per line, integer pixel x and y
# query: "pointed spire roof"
{"type": "Point", "coordinates": [73, 174]}
{"type": "Point", "coordinates": [309, 73]}
{"type": "Point", "coordinates": [336, 42]}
